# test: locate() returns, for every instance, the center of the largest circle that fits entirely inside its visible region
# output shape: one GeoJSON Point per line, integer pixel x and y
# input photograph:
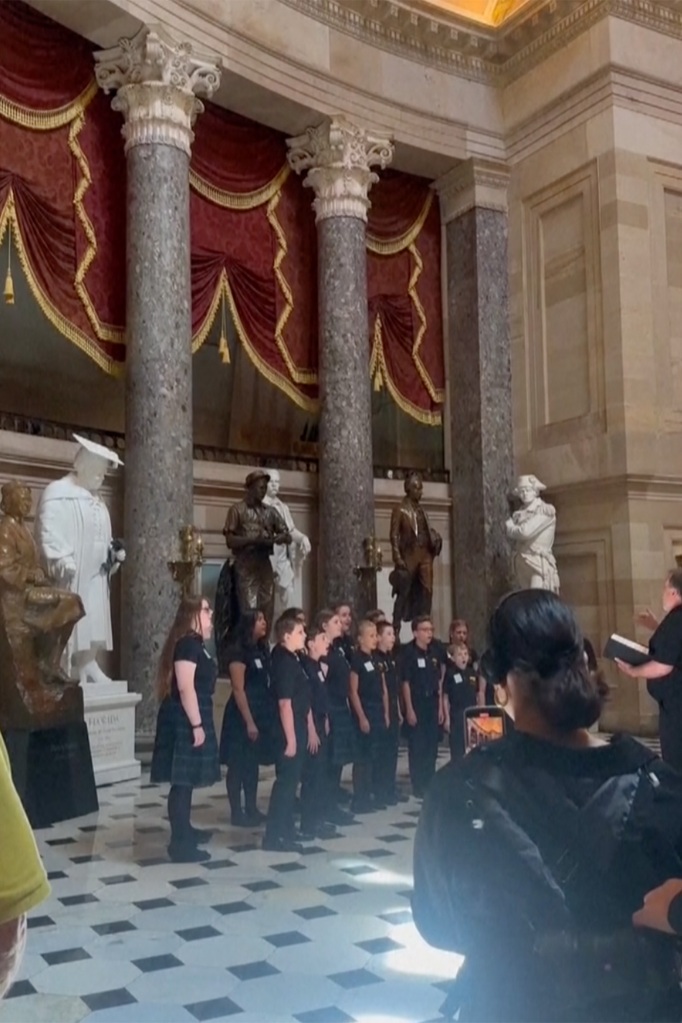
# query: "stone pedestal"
{"type": "Point", "coordinates": [110, 718]}
{"type": "Point", "coordinates": [156, 81]}
{"type": "Point", "coordinates": [338, 157]}
{"type": "Point", "coordinates": [473, 208]}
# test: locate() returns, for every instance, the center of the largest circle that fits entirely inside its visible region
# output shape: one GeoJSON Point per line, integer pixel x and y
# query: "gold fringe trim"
{"type": "Point", "coordinates": [224, 291]}
{"type": "Point", "coordinates": [299, 376]}
{"type": "Point", "coordinates": [47, 120]}
{"type": "Point", "coordinates": [403, 241]}
{"type": "Point", "coordinates": [103, 332]}
{"type": "Point", "coordinates": [435, 395]}
{"type": "Point", "coordinates": [379, 371]}
{"type": "Point", "coordinates": [239, 200]}
{"type": "Point", "coordinates": [8, 215]}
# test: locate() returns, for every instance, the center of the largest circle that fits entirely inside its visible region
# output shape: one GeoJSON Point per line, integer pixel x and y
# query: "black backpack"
{"type": "Point", "coordinates": [508, 869]}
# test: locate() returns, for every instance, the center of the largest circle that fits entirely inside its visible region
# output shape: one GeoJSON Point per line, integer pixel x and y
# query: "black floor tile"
{"type": "Point", "coordinates": [330, 1014]}
{"type": "Point", "coordinates": [198, 933]}
{"type": "Point", "coordinates": [376, 854]}
{"type": "Point", "coordinates": [118, 879]}
{"type": "Point", "coordinates": [287, 868]}
{"type": "Point", "coordinates": [65, 955]}
{"type": "Point", "coordinates": [78, 900]}
{"type": "Point", "coordinates": [214, 1008]}
{"type": "Point", "coordinates": [359, 871]}
{"type": "Point", "coordinates": [153, 904]}
{"type": "Point", "coordinates": [389, 839]}
{"type": "Point", "coordinates": [315, 912]}
{"type": "Point", "coordinates": [261, 886]}
{"type": "Point", "coordinates": [60, 841]}
{"type": "Point", "coordinates": [397, 917]}
{"type": "Point", "coordinates": [228, 908]}
{"type": "Point", "coordinates": [339, 889]}
{"type": "Point", "coordinates": [108, 999]}
{"type": "Point", "coordinates": [218, 864]}
{"type": "Point", "coordinates": [150, 964]}
{"type": "Point", "coordinates": [40, 921]}
{"type": "Point", "coordinates": [286, 938]}
{"type": "Point", "coordinates": [96, 858]}
{"type": "Point", "coordinates": [253, 971]}
{"type": "Point", "coordinates": [351, 979]}
{"type": "Point", "coordinates": [405, 825]}
{"type": "Point", "coordinates": [188, 882]}
{"type": "Point", "coordinates": [115, 927]}
{"type": "Point", "coordinates": [56, 875]}
{"type": "Point", "coordinates": [377, 946]}
{"type": "Point", "coordinates": [21, 989]}
{"type": "Point", "coordinates": [151, 861]}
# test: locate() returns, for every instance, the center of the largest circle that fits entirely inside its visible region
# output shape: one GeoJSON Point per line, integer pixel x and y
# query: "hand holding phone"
{"type": "Point", "coordinates": [483, 725]}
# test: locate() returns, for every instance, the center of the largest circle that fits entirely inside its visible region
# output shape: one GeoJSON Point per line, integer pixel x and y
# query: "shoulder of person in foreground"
{"type": "Point", "coordinates": [23, 881]}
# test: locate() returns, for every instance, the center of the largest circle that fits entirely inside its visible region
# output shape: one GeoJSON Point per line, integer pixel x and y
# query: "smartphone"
{"type": "Point", "coordinates": [482, 725]}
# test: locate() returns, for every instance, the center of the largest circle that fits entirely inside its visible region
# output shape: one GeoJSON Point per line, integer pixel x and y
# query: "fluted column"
{"type": "Point", "coordinates": [157, 82]}
{"type": "Point", "coordinates": [338, 157]}
{"type": "Point", "coordinates": [473, 201]}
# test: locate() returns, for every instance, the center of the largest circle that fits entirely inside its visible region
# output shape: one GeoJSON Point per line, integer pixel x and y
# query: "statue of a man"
{"type": "Point", "coordinates": [286, 559]}
{"type": "Point", "coordinates": [252, 530]}
{"type": "Point", "coordinates": [73, 530]}
{"type": "Point", "coordinates": [531, 531]}
{"type": "Point", "coordinates": [414, 545]}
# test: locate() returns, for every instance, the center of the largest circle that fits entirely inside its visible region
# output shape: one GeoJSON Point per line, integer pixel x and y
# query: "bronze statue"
{"type": "Point", "coordinates": [36, 620]}
{"type": "Point", "coordinates": [414, 545]}
{"type": "Point", "coordinates": [247, 581]}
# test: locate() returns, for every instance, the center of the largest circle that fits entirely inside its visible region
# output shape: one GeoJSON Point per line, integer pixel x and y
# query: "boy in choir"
{"type": "Point", "coordinates": [369, 703]}
{"type": "Point", "coordinates": [314, 779]}
{"type": "Point", "coordinates": [421, 673]}
{"type": "Point", "coordinates": [292, 692]}
{"type": "Point", "coordinates": [459, 693]}
{"type": "Point", "coordinates": [386, 790]}
{"type": "Point", "coordinates": [340, 748]}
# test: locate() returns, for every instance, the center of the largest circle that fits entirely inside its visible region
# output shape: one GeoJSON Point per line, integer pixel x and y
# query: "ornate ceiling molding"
{"type": "Point", "coordinates": [465, 48]}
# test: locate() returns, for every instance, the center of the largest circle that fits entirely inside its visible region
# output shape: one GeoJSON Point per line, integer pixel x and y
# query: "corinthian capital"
{"type": "Point", "coordinates": [158, 82]}
{"type": "Point", "coordinates": [338, 156]}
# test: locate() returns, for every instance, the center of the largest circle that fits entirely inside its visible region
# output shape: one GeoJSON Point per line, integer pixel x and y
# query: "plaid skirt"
{"type": "Point", "coordinates": [233, 735]}
{"type": "Point", "coordinates": [368, 745]}
{"type": "Point", "coordinates": [341, 736]}
{"type": "Point", "coordinates": [175, 759]}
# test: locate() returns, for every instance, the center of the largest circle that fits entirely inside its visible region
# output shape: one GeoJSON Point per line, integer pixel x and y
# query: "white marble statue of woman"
{"type": "Point", "coordinates": [287, 559]}
{"type": "Point", "coordinates": [531, 531]}
{"type": "Point", "coordinates": [73, 533]}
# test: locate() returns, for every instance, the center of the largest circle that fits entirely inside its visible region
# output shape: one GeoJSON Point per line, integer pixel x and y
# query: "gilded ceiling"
{"type": "Point", "coordinates": [486, 12]}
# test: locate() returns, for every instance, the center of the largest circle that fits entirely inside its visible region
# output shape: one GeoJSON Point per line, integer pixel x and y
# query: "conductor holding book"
{"type": "Point", "coordinates": [663, 669]}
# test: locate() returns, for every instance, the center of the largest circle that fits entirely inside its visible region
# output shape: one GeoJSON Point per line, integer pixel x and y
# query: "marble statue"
{"type": "Point", "coordinates": [73, 530]}
{"type": "Point", "coordinates": [286, 559]}
{"type": "Point", "coordinates": [36, 621]}
{"type": "Point", "coordinates": [531, 531]}
{"type": "Point", "coordinates": [247, 580]}
{"type": "Point", "coordinates": [414, 546]}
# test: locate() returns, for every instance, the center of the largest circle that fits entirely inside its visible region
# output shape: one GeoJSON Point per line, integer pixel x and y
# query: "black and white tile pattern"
{"type": "Point", "coordinates": [249, 936]}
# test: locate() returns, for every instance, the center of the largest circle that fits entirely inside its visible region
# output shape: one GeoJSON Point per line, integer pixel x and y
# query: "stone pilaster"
{"type": "Point", "coordinates": [339, 157]}
{"type": "Point", "coordinates": [474, 211]}
{"type": "Point", "coordinates": [157, 83]}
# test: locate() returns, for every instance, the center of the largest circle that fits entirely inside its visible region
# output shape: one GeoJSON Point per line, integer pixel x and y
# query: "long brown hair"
{"type": "Point", "coordinates": [185, 623]}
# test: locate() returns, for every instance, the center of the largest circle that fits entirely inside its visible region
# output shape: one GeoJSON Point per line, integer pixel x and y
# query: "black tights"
{"type": "Point", "coordinates": [242, 773]}
{"type": "Point", "coordinates": [179, 806]}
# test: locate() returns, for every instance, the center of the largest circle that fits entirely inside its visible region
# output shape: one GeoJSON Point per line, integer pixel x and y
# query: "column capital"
{"type": "Point", "coordinates": [158, 82]}
{"type": "Point", "coordinates": [481, 183]}
{"type": "Point", "coordinates": [338, 157]}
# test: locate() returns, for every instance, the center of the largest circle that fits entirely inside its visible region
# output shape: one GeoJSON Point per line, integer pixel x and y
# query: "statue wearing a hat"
{"type": "Point", "coordinates": [531, 531]}
{"type": "Point", "coordinates": [73, 533]}
{"type": "Point", "coordinates": [252, 530]}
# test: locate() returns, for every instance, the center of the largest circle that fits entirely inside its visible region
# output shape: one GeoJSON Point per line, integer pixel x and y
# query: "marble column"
{"type": "Point", "coordinates": [474, 212]}
{"type": "Point", "coordinates": [156, 82]}
{"type": "Point", "coordinates": [338, 157]}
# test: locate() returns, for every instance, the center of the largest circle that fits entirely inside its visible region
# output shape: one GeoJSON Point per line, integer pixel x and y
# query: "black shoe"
{"type": "Point", "coordinates": [253, 820]}
{"type": "Point", "coordinates": [400, 797]}
{"type": "Point", "coordinates": [201, 836]}
{"type": "Point", "coordinates": [307, 834]}
{"type": "Point", "coordinates": [281, 845]}
{"type": "Point", "coordinates": [255, 814]}
{"type": "Point", "coordinates": [186, 852]}
{"type": "Point", "coordinates": [361, 806]}
{"type": "Point", "coordinates": [391, 800]}
{"type": "Point", "coordinates": [337, 816]}
{"type": "Point", "coordinates": [342, 796]}
{"type": "Point", "coordinates": [379, 804]}
{"type": "Point", "coordinates": [326, 831]}
{"type": "Point", "coordinates": [240, 820]}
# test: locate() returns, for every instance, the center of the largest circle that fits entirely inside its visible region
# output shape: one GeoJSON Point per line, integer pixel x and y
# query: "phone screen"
{"type": "Point", "coordinates": [483, 725]}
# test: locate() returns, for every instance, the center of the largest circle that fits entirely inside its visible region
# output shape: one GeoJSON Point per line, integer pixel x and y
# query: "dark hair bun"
{"type": "Point", "coordinates": [534, 634]}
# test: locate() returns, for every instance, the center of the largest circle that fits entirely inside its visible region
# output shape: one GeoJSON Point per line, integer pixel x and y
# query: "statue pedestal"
{"type": "Point", "coordinates": [110, 717]}
{"type": "Point", "coordinates": [52, 772]}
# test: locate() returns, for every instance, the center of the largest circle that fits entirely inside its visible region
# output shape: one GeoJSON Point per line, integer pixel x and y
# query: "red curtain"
{"type": "Point", "coordinates": [404, 293]}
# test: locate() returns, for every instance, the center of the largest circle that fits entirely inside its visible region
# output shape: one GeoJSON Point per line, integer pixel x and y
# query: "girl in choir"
{"type": "Point", "coordinates": [248, 721]}
{"type": "Point", "coordinates": [185, 747]}
{"type": "Point", "coordinates": [369, 702]}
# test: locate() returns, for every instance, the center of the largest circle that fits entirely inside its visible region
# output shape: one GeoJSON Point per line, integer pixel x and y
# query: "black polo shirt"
{"type": "Point", "coordinates": [290, 682]}
{"type": "Point", "coordinates": [665, 646]}
{"type": "Point", "coordinates": [370, 681]}
{"type": "Point", "coordinates": [319, 699]}
{"type": "Point", "coordinates": [421, 669]}
{"type": "Point", "coordinates": [338, 676]}
{"type": "Point", "coordinates": [388, 666]}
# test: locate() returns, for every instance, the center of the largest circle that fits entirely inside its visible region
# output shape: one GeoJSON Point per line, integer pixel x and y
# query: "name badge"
{"type": "Point", "coordinates": [369, 666]}
{"type": "Point", "coordinates": [421, 662]}
{"type": "Point", "coordinates": [257, 661]}
{"type": "Point", "coordinates": [458, 678]}
{"type": "Point", "coordinates": [320, 675]}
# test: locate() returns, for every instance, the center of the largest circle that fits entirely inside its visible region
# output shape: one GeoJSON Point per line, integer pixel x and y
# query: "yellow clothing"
{"type": "Point", "coordinates": [23, 881]}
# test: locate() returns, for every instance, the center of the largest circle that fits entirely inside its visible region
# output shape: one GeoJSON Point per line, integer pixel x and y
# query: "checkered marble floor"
{"type": "Point", "coordinates": [249, 936]}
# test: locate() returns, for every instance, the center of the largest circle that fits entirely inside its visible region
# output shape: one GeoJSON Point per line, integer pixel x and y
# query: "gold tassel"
{"type": "Point", "coordinates": [9, 283]}
{"type": "Point", "coordinates": [378, 379]}
{"type": "Point", "coordinates": [223, 347]}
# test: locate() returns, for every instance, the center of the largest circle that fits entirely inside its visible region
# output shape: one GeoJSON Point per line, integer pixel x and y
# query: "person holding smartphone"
{"type": "Point", "coordinates": [297, 730]}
